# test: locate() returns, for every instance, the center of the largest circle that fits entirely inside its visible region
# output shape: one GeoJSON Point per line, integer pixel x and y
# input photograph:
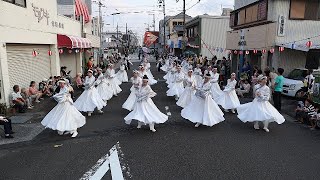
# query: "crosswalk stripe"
{"type": "Point", "coordinates": [103, 165]}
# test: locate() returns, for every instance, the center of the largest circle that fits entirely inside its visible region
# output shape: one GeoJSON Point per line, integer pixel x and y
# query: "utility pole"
{"type": "Point", "coordinates": [117, 36]}
{"type": "Point", "coordinates": [101, 51]}
{"type": "Point", "coordinates": [164, 22]}
{"type": "Point", "coordinates": [154, 30]}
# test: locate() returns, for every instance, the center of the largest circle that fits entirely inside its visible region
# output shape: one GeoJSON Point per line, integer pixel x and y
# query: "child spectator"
{"type": "Point", "coordinates": [244, 88]}
{"type": "Point", "coordinates": [306, 112]}
{"type": "Point", "coordinates": [313, 120]}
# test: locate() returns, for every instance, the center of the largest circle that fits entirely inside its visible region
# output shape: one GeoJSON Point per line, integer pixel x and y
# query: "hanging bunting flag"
{"type": "Point", "coordinates": [255, 51]}
{"type": "Point", "coordinates": [34, 53]}
{"type": "Point", "coordinates": [247, 52]}
{"type": "Point", "coordinates": [50, 53]}
{"type": "Point", "coordinates": [281, 48]}
{"type": "Point", "coordinates": [264, 51]}
{"type": "Point", "coordinates": [272, 50]}
{"type": "Point", "coordinates": [309, 44]}
{"type": "Point", "coordinates": [60, 51]}
{"type": "Point", "coordinates": [77, 50]}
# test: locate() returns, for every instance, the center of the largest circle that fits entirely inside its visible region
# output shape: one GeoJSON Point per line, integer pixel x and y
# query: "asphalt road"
{"type": "Point", "coordinates": [229, 150]}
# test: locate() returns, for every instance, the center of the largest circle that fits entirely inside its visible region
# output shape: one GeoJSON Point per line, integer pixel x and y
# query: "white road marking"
{"type": "Point", "coordinates": [103, 165]}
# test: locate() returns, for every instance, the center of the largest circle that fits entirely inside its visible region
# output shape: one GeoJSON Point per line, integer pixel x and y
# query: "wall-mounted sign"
{"type": "Point", "coordinates": [41, 13]}
{"type": "Point", "coordinates": [242, 41]}
{"type": "Point", "coordinates": [281, 26]}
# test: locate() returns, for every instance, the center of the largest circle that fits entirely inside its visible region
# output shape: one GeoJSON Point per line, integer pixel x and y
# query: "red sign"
{"type": "Point", "coordinates": [149, 38]}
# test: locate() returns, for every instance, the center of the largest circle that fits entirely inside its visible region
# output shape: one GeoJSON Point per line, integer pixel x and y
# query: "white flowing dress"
{"type": "Point", "coordinates": [177, 86]}
{"type": "Point", "coordinates": [229, 99]}
{"type": "Point", "coordinates": [131, 100]}
{"type": "Point", "coordinates": [260, 109]}
{"type": "Point", "coordinates": [215, 88]}
{"type": "Point", "coordinates": [113, 81]}
{"type": "Point", "coordinates": [122, 75]}
{"type": "Point", "coordinates": [151, 80]}
{"type": "Point", "coordinates": [104, 88]}
{"type": "Point", "coordinates": [188, 93]}
{"type": "Point", "coordinates": [145, 110]}
{"type": "Point", "coordinates": [147, 68]}
{"type": "Point", "coordinates": [202, 108]}
{"type": "Point", "coordinates": [198, 76]}
{"type": "Point", "coordinates": [90, 98]}
{"type": "Point", "coordinates": [64, 116]}
{"type": "Point", "coordinates": [166, 65]}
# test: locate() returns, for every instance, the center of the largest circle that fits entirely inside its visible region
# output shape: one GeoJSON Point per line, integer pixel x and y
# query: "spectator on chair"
{"type": "Point", "coordinates": [244, 88]}
{"type": "Point", "coordinates": [34, 92]}
{"type": "Point", "coordinates": [6, 122]}
{"type": "Point", "coordinates": [307, 112]}
{"type": "Point", "coordinates": [26, 96]}
{"type": "Point", "coordinates": [44, 88]}
{"type": "Point", "coordinates": [18, 102]}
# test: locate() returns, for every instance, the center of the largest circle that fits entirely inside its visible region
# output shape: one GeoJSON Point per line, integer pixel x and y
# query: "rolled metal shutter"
{"type": "Point", "coordinates": [24, 67]}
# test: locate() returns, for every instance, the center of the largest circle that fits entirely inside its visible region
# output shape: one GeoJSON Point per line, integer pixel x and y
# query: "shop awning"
{"type": "Point", "coordinates": [73, 42]}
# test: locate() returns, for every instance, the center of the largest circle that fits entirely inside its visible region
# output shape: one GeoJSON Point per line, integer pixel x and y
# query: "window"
{"type": "Point", "coordinates": [250, 14]}
{"type": "Point", "coordinates": [304, 9]}
{"type": "Point", "coordinates": [21, 3]}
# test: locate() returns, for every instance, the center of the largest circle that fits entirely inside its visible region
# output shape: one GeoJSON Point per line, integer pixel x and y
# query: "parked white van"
{"type": "Point", "coordinates": [294, 81]}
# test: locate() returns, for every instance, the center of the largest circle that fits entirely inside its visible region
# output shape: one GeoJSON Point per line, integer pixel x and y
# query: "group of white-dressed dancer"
{"type": "Point", "coordinates": [66, 118]}
{"type": "Point", "coordinates": [199, 95]}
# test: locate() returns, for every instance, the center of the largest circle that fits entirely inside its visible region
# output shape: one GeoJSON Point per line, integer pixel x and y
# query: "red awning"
{"type": "Point", "coordinates": [81, 9]}
{"type": "Point", "coordinates": [73, 42]}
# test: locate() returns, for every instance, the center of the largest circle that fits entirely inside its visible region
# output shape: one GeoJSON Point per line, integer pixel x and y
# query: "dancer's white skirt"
{"type": "Point", "coordinates": [203, 111]}
{"type": "Point", "coordinates": [64, 117]}
{"type": "Point", "coordinates": [89, 100]}
{"type": "Point", "coordinates": [259, 111]}
{"type": "Point", "coordinates": [176, 89]}
{"type": "Point", "coordinates": [146, 112]}
{"type": "Point", "coordinates": [122, 76]}
{"type": "Point", "coordinates": [185, 97]}
{"type": "Point", "coordinates": [105, 90]}
{"type": "Point", "coordinates": [228, 100]}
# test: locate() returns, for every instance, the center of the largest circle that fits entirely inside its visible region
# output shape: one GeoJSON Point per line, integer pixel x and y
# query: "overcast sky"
{"type": "Point", "coordinates": [138, 13]}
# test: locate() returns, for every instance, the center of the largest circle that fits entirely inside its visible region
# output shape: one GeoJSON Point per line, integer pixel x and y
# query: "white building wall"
{"type": "Point", "coordinates": [214, 33]}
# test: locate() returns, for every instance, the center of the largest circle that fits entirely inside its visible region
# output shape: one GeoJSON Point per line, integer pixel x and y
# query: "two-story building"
{"type": "Point", "coordinates": [273, 33]}
{"type": "Point", "coordinates": [207, 35]}
{"type": "Point", "coordinates": [36, 42]}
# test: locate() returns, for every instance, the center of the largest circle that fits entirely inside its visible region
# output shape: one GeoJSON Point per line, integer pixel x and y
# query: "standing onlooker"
{"type": "Point", "coordinates": [34, 92]}
{"type": "Point", "coordinates": [309, 79]}
{"type": "Point", "coordinates": [17, 100]}
{"type": "Point", "coordinates": [90, 63]}
{"type": "Point", "coordinates": [79, 81]}
{"type": "Point", "coordinates": [278, 88]}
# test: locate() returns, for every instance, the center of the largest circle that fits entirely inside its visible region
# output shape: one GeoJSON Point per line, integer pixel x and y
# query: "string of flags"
{"type": "Point", "coordinates": [61, 51]}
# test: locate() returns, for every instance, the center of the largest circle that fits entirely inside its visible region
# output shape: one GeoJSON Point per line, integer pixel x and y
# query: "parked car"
{"type": "Point", "coordinates": [293, 83]}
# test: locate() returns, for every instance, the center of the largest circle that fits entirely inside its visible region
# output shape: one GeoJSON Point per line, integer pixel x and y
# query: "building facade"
{"type": "Point", "coordinates": [273, 33]}
{"type": "Point", "coordinates": [36, 44]}
{"type": "Point", "coordinates": [207, 35]}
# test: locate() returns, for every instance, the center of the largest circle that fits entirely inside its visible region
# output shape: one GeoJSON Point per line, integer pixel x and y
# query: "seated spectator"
{"type": "Point", "coordinates": [17, 100]}
{"type": "Point", "coordinates": [34, 92]}
{"type": "Point", "coordinates": [313, 120]}
{"type": "Point", "coordinates": [44, 88]}
{"type": "Point", "coordinates": [26, 96]}
{"type": "Point", "coordinates": [244, 88]}
{"type": "Point", "coordinates": [79, 81]}
{"type": "Point", "coordinates": [6, 122]}
{"type": "Point", "coordinates": [307, 112]}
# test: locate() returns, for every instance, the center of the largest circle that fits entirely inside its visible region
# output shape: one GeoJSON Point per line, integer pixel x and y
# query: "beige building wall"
{"type": "Point", "coordinates": [21, 25]}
